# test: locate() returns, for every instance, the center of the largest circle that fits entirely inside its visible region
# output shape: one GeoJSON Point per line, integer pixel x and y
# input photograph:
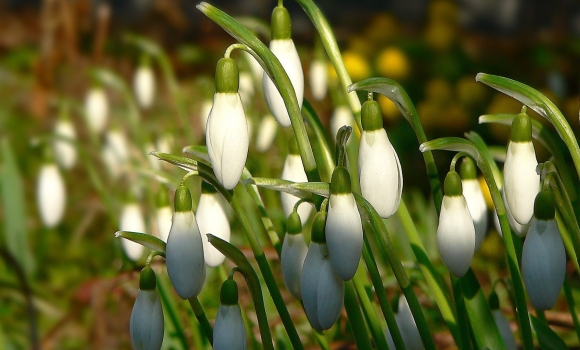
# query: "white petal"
{"type": "Point", "coordinates": [330, 295]}
{"type": "Point", "coordinates": [294, 171]}
{"type": "Point", "coordinates": [344, 235]}
{"type": "Point", "coordinates": [543, 263]}
{"type": "Point", "coordinates": [65, 151]}
{"type": "Point", "coordinates": [340, 117]}
{"type": "Point", "coordinates": [164, 217]}
{"type": "Point", "coordinates": [266, 133]}
{"type": "Point", "coordinates": [146, 324]}
{"type": "Point", "coordinates": [407, 326]}
{"type": "Point", "coordinates": [318, 79]}
{"type": "Point", "coordinates": [132, 220]}
{"type": "Point", "coordinates": [455, 235]}
{"type": "Point", "coordinates": [51, 195]}
{"type": "Point", "coordinates": [309, 283]}
{"type": "Point", "coordinates": [246, 89]}
{"type": "Point", "coordinates": [212, 218]}
{"type": "Point", "coordinates": [144, 86]}
{"type": "Point", "coordinates": [521, 182]}
{"type": "Point", "coordinates": [381, 179]}
{"type": "Point", "coordinates": [504, 330]}
{"type": "Point", "coordinates": [255, 67]}
{"type": "Point", "coordinates": [96, 109]}
{"type": "Point", "coordinates": [294, 251]}
{"type": "Point", "coordinates": [520, 230]}
{"type": "Point", "coordinates": [477, 208]}
{"type": "Point", "coordinates": [227, 138]}
{"type": "Point", "coordinates": [184, 256]}
{"type": "Point", "coordinates": [286, 53]}
{"type": "Point", "coordinates": [204, 112]}
{"type": "Point", "coordinates": [229, 332]}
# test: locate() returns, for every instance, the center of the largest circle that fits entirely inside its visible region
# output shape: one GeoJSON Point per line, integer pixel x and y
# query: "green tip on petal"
{"type": "Point", "coordinates": [229, 292]}
{"type": "Point", "coordinates": [493, 301]}
{"type": "Point", "coordinates": [371, 116]}
{"type": "Point", "coordinates": [318, 227]}
{"type": "Point", "coordinates": [545, 206]}
{"type": "Point", "coordinates": [294, 224]}
{"type": "Point", "coordinates": [467, 169]}
{"type": "Point", "coordinates": [281, 24]}
{"type": "Point", "coordinates": [162, 199]}
{"type": "Point", "coordinates": [147, 280]}
{"type": "Point", "coordinates": [207, 188]}
{"type": "Point", "coordinates": [227, 76]}
{"type": "Point", "coordinates": [182, 199]}
{"type": "Point", "coordinates": [452, 184]}
{"type": "Point", "coordinates": [521, 128]}
{"type": "Point", "coordinates": [340, 183]}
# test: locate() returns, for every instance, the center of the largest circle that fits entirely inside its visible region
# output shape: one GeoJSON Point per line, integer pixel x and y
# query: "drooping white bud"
{"type": "Point", "coordinates": [115, 152]}
{"type": "Point", "coordinates": [132, 220]}
{"type": "Point", "coordinates": [340, 116]}
{"type": "Point", "coordinates": [318, 79]}
{"type": "Point", "coordinates": [96, 109]}
{"type": "Point", "coordinates": [212, 218]}
{"type": "Point", "coordinates": [294, 251]}
{"type": "Point", "coordinates": [144, 86]}
{"type": "Point", "coordinates": [407, 327]}
{"type": "Point", "coordinates": [204, 112]}
{"type": "Point", "coordinates": [164, 217]}
{"type": "Point", "coordinates": [521, 182]}
{"type": "Point", "coordinates": [266, 133]}
{"type": "Point", "coordinates": [505, 330]}
{"type": "Point", "coordinates": [246, 88]}
{"type": "Point", "coordinates": [229, 332]}
{"type": "Point", "coordinates": [65, 152]}
{"type": "Point", "coordinates": [146, 323]}
{"type": "Point", "coordinates": [51, 195]}
{"type": "Point", "coordinates": [477, 208]}
{"type": "Point", "coordinates": [294, 171]}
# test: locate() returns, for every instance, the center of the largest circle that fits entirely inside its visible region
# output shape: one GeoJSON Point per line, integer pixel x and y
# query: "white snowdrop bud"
{"type": "Point", "coordinates": [318, 79]}
{"type": "Point", "coordinates": [96, 109]}
{"type": "Point", "coordinates": [340, 116]}
{"type": "Point", "coordinates": [521, 182]}
{"type": "Point", "coordinates": [146, 324]}
{"type": "Point", "coordinates": [520, 230]}
{"type": "Point", "coordinates": [51, 195]}
{"type": "Point", "coordinates": [294, 171]}
{"type": "Point", "coordinates": [227, 130]}
{"type": "Point", "coordinates": [246, 87]}
{"type": "Point", "coordinates": [344, 233]}
{"type": "Point", "coordinates": [212, 218]}
{"type": "Point", "coordinates": [164, 214]}
{"type": "Point", "coordinates": [505, 331]}
{"type": "Point", "coordinates": [407, 327]}
{"type": "Point", "coordinates": [184, 250]}
{"type": "Point", "coordinates": [322, 289]}
{"type": "Point", "coordinates": [543, 255]}
{"type": "Point", "coordinates": [455, 233]}
{"type": "Point", "coordinates": [65, 152]}
{"type": "Point", "coordinates": [229, 332]}
{"type": "Point", "coordinates": [475, 200]}
{"type": "Point", "coordinates": [255, 66]}
{"type": "Point", "coordinates": [132, 220]}
{"type": "Point", "coordinates": [204, 112]}
{"type": "Point", "coordinates": [115, 152]}
{"type": "Point", "coordinates": [266, 133]}
{"type": "Point", "coordinates": [283, 48]}
{"type": "Point", "coordinates": [144, 85]}
{"type": "Point", "coordinates": [380, 175]}
{"type": "Point", "coordinates": [294, 251]}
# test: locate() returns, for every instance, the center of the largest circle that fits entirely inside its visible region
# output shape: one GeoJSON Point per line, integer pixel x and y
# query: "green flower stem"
{"type": "Point", "coordinates": [201, 318]}
{"type": "Point", "coordinates": [321, 339]}
{"type": "Point", "coordinates": [369, 213]}
{"type": "Point", "coordinates": [237, 257]}
{"type": "Point", "coordinates": [572, 306]}
{"type": "Point", "coordinates": [355, 318]}
{"type": "Point", "coordinates": [462, 316]}
{"type": "Point", "coordinates": [568, 241]}
{"type": "Point", "coordinates": [331, 47]}
{"type": "Point", "coordinates": [171, 309]}
{"type": "Point", "coordinates": [395, 92]}
{"type": "Point", "coordinates": [276, 72]}
{"type": "Point", "coordinates": [324, 157]}
{"type": "Point", "coordinates": [539, 104]}
{"type": "Point", "coordinates": [457, 145]}
{"type": "Point", "coordinates": [265, 268]}
{"type": "Point", "coordinates": [369, 313]}
{"type": "Point", "coordinates": [382, 295]}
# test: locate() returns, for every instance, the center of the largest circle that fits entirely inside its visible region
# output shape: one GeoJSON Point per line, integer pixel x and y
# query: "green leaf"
{"type": "Point", "coordinates": [454, 144]}
{"type": "Point", "coordinates": [144, 239]}
{"type": "Point", "coordinates": [197, 151]}
{"type": "Point", "coordinates": [13, 204]}
{"type": "Point", "coordinates": [547, 338]}
{"type": "Point", "coordinates": [298, 189]}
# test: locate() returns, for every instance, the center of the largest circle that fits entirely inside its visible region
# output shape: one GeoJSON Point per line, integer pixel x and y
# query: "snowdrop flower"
{"type": "Point", "coordinates": [266, 133]}
{"type": "Point", "coordinates": [318, 79]}
{"type": "Point", "coordinates": [344, 233]}
{"type": "Point", "coordinates": [163, 214]}
{"type": "Point", "coordinates": [65, 152]}
{"type": "Point", "coordinates": [144, 84]}
{"type": "Point", "coordinates": [229, 332]}
{"type": "Point", "coordinates": [503, 324]}
{"type": "Point", "coordinates": [521, 182]}
{"type": "Point", "coordinates": [255, 66]}
{"type": "Point", "coordinates": [227, 130]}
{"type": "Point", "coordinates": [246, 87]}
{"type": "Point", "coordinates": [132, 220]}
{"type": "Point", "coordinates": [146, 323]}
{"type": "Point", "coordinates": [322, 289]}
{"type": "Point", "coordinates": [212, 218]}
{"type": "Point", "coordinates": [184, 250]}
{"type": "Point", "coordinates": [381, 178]}
{"type": "Point", "coordinates": [115, 152]}
{"type": "Point", "coordinates": [520, 230]}
{"type": "Point", "coordinates": [340, 116]}
{"type": "Point", "coordinates": [294, 251]}
{"type": "Point", "coordinates": [50, 195]}
{"type": "Point", "coordinates": [456, 232]}
{"type": "Point", "coordinates": [294, 171]}
{"type": "Point", "coordinates": [283, 48]}
{"type": "Point", "coordinates": [543, 255]}
{"type": "Point", "coordinates": [204, 112]}
{"type": "Point", "coordinates": [96, 109]}
{"type": "Point", "coordinates": [474, 198]}
{"type": "Point", "coordinates": [407, 327]}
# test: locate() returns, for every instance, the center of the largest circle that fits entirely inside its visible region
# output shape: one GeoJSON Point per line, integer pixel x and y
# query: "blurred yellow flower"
{"type": "Point", "coordinates": [393, 63]}
{"type": "Point", "coordinates": [389, 109]}
{"type": "Point", "coordinates": [356, 65]}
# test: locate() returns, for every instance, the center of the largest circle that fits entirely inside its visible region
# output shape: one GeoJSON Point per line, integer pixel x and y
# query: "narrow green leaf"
{"type": "Point", "coordinates": [547, 338]}
{"type": "Point", "coordinates": [197, 151]}
{"type": "Point", "coordinates": [454, 144]}
{"type": "Point", "coordinates": [144, 239]}
{"type": "Point", "coordinates": [298, 189]}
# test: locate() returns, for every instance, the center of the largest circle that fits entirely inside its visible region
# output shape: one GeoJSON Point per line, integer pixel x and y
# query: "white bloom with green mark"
{"type": "Point", "coordinates": [146, 324]}
{"type": "Point", "coordinates": [227, 137]}
{"type": "Point", "coordinates": [283, 48]}
{"type": "Point", "coordinates": [96, 109]}
{"type": "Point", "coordinates": [212, 218]}
{"type": "Point", "coordinates": [50, 195]}
{"type": "Point", "coordinates": [229, 332]}
{"type": "Point", "coordinates": [475, 199]}
{"type": "Point", "coordinates": [294, 251]}
{"type": "Point", "coordinates": [132, 220]}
